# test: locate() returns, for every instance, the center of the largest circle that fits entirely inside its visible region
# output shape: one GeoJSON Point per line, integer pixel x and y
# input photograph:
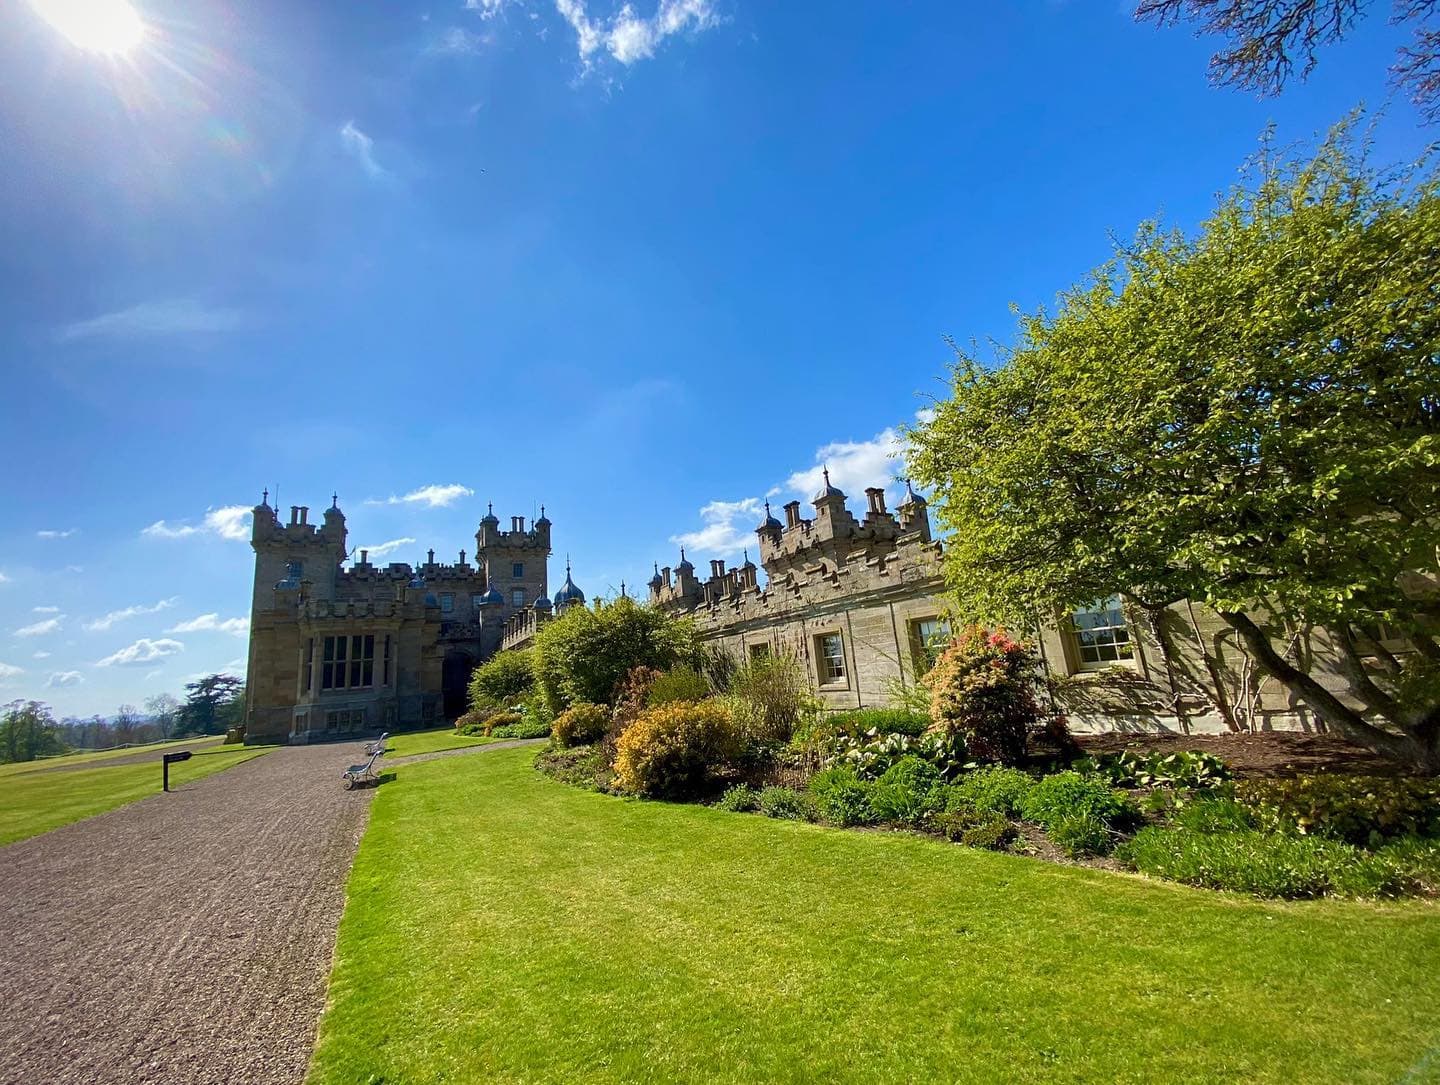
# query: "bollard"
{"type": "Point", "coordinates": [183, 755]}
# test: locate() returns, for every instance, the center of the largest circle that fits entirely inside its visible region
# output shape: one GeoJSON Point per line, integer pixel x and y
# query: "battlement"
{"type": "Point", "coordinates": [267, 531]}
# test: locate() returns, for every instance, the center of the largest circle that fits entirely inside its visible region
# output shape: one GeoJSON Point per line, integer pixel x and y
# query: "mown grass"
{"type": "Point", "coordinates": [37, 802]}
{"type": "Point", "coordinates": [18, 768]}
{"type": "Point", "coordinates": [439, 738]}
{"type": "Point", "coordinates": [502, 926]}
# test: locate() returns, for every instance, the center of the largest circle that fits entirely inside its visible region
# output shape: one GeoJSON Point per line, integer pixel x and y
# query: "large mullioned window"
{"type": "Point", "coordinates": [349, 662]}
{"type": "Point", "coordinates": [1100, 634]}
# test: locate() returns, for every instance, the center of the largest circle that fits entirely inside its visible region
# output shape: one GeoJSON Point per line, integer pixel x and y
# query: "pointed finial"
{"type": "Point", "coordinates": [747, 555]}
{"type": "Point", "coordinates": [657, 568]}
{"type": "Point", "coordinates": [265, 496]}
{"type": "Point", "coordinates": [567, 566]}
{"type": "Point", "coordinates": [335, 501]}
{"type": "Point", "coordinates": [826, 472]}
{"type": "Point", "coordinates": [622, 589]}
{"type": "Point", "coordinates": [682, 553]}
{"type": "Point", "coordinates": [908, 488]}
{"type": "Point", "coordinates": [490, 507]}
{"type": "Point", "coordinates": [542, 512]}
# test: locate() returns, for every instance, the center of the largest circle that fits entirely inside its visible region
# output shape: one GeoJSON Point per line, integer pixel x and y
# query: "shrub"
{"type": "Point", "coordinates": [983, 687]}
{"type": "Point", "coordinates": [741, 799]}
{"type": "Point", "coordinates": [907, 791]}
{"type": "Point", "coordinates": [668, 750]}
{"type": "Point", "coordinates": [884, 721]}
{"type": "Point", "coordinates": [977, 828]}
{"type": "Point", "coordinates": [872, 754]}
{"type": "Point", "coordinates": [1129, 768]}
{"type": "Point", "coordinates": [1363, 810]}
{"type": "Point", "coordinates": [993, 790]}
{"type": "Point", "coordinates": [677, 684]}
{"type": "Point", "coordinates": [500, 719]}
{"type": "Point", "coordinates": [584, 654]}
{"type": "Point", "coordinates": [1413, 862]}
{"type": "Point", "coordinates": [1069, 794]}
{"type": "Point", "coordinates": [772, 697]}
{"type": "Point", "coordinates": [506, 679]}
{"type": "Point", "coordinates": [1079, 835]}
{"type": "Point", "coordinates": [527, 727]}
{"type": "Point", "coordinates": [1213, 815]}
{"type": "Point", "coordinates": [841, 797]}
{"type": "Point", "coordinates": [581, 724]}
{"type": "Point", "coordinates": [1265, 864]}
{"type": "Point", "coordinates": [585, 767]}
{"type": "Point", "coordinates": [473, 721]}
{"type": "Point", "coordinates": [781, 802]}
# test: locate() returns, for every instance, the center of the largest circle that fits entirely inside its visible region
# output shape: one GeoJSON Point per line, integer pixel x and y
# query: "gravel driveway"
{"type": "Point", "coordinates": [184, 938]}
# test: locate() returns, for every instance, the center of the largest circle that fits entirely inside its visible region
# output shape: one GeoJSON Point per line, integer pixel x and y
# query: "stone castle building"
{"type": "Point", "coordinates": [861, 604]}
{"type": "Point", "coordinates": [338, 650]}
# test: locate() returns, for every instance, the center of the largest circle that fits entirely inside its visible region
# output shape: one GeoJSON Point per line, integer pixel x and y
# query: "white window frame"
{"type": "Point", "coordinates": [824, 659]}
{"type": "Point", "coordinates": [1119, 641]}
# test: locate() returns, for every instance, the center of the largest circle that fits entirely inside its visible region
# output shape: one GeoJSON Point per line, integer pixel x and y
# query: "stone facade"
{"type": "Point", "coordinates": [860, 603]}
{"type": "Point", "coordinates": [338, 650]}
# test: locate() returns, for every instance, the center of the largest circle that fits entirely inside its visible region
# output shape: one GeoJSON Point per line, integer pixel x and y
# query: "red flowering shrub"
{"type": "Point", "coordinates": [983, 688]}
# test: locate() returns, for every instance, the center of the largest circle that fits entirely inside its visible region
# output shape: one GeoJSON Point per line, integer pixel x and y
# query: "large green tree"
{"type": "Point", "coordinates": [1247, 418]}
{"type": "Point", "coordinates": [212, 704]}
{"type": "Point", "coordinates": [27, 731]}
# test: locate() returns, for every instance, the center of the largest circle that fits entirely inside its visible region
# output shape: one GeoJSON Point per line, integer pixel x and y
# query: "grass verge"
{"type": "Point", "coordinates": [500, 926]}
{"type": "Point", "coordinates": [439, 738]}
{"type": "Point", "coordinates": [66, 760]}
{"type": "Point", "coordinates": [40, 801]}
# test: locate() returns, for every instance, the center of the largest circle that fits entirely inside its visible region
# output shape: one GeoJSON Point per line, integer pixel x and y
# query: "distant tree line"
{"type": "Point", "coordinates": [213, 704]}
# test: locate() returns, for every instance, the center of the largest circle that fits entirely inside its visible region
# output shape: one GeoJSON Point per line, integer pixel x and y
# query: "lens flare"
{"type": "Point", "coordinates": [97, 26]}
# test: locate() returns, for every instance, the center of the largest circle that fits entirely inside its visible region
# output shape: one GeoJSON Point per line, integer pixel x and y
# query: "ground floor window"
{"type": "Point", "coordinates": [928, 638]}
{"type": "Point", "coordinates": [1100, 635]}
{"type": "Point", "coordinates": [830, 655]}
{"type": "Point", "coordinates": [345, 719]}
{"type": "Point", "coordinates": [349, 662]}
{"type": "Point", "coordinates": [759, 651]}
{"type": "Point", "coordinates": [517, 597]}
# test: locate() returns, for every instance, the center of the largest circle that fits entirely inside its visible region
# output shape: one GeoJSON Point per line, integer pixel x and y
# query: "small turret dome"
{"type": "Point", "coordinates": [770, 521]}
{"type": "Point", "coordinates": [492, 598]}
{"type": "Point", "coordinates": [490, 517]}
{"type": "Point", "coordinates": [657, 579]}
{"type": "Point", "coordinates": [828, 490]}
{"type": "Point", "coordinates": [542, 603]}
{"type": "Point", "coordinates": [543, 519]}
{"type": "Point", "coordinates": [569, 594]}
{"type": "Point", "coordinates": [684, 566]}
{"type": "Point", "coordinates": [911, 497]}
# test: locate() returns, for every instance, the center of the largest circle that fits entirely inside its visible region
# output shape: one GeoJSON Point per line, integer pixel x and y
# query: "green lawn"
{"type": "Point", "coordinates": [37, 802]}
{"type": "Point", "coordinates": [501, 926]}
{"type": "Point", "coordinates": [18, 768]}
{"type": "Point", "coordinates": [439, 738]}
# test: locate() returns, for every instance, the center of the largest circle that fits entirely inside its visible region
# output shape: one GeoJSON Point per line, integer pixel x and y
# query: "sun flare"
{"type": "Point", "coordinates": [97, 26]}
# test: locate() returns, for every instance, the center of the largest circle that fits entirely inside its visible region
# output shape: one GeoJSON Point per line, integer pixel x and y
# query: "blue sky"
{"type": "Point", "coordinates": [645, 265]}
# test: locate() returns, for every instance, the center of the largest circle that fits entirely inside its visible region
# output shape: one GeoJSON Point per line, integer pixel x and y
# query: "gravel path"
{"type": "Point", "coordinates": [184, 938]}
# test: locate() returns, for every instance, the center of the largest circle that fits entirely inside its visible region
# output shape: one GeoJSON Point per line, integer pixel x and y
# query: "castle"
{"type": "Point", "coordinates": [338, 651]}
{"type": "Point", "coordinates": [858, 602]}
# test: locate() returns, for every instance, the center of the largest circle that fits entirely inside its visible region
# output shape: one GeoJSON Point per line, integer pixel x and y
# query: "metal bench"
{"type": "Point", "coordinates": [378, 746]}
{"type": "Point", "coordinates": [357, 775]}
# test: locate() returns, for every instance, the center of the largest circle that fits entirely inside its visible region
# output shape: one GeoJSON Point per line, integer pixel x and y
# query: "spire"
{"type": "Point", "coordinates": [622, 590]}
{"type": "Point", "coordinates": [826, 472]}
{"type": "Point", "coordinates": [265, 496]}
{"type": "Point", "coordinates": [334, 500]}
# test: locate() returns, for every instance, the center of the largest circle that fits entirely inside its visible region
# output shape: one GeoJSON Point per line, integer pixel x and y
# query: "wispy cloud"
{"type": "Point", "coordinates": [9, 671]}
{"type": "Point", "coordinates": [40, 655]}
{"type": "Point", "coordinates": [213, 623]}
{"type": "Point", "coordinates": [229, 522]}
{"type": "Point", "coordinates": [433, 496]}
{"type": "Point", "coordinates": [457, 41]}
{"type": "Point", "coordinates": [46, 610]}
{"type": "Point", "coordinates": [143, 651]}
{"type": "Point", "coordinates": [728, 527]}
{"type": "Point", "coordinates": [176, 316]}
{"type": "Point", "coordinates": [385, 548]}
{"type": "Point", "coordinates": [52, 534]}
{"type": "Point", "coordinates": [41, 628]}
{"type": "Point", "coordinates": [104, 622]}
{"type": "Point", "coordinates": [629, 37]}
{"type": "Point", "coordinates": [65, 679]}
{"type": "Point", "coordinates": [488, 9]}
{"type": "Point", "coordinates": [4, 579]}
{"type": "Point", "coordinates": [362, 148]}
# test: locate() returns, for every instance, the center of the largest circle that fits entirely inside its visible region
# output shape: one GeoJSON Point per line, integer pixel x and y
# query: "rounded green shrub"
{"type": "Point", "coordinates": [526, 727]}
{"type": "Point", "coordinates": [1067, 794]}
{"type": "Point", "coordinates": [978, 829]}
{"type": "Point", "coordinates": [1363, 810]}
{"type": "Point", "coordinates": [994, 790]}
{"type": "Point", "coordinates": [677, 684]}
{"type": "Point", "coordinates": [842, 797]}
{"type": "Point", "coordinates": [1078, 835]}
{"type": "Point", "coordinates": [739, 799]}
{"type": "Point", "coordinates": [907, 791]}
{"type": "Point", "coordinates": [669, 750]}
{"type": "Point", "coordinates": [1213, 815]}
{"type": "Point", "coordinates": [781, 802]}
{"type": "Point", "coordinates": [883, 721]}
{"type": "Point", "coordinates": [581, 724]}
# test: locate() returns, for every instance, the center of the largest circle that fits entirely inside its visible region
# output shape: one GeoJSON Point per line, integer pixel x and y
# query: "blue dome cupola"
{"type": "Point", "coordinates": [568, 595]}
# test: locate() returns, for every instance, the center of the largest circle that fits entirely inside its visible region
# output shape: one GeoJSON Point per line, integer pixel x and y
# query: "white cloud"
{"type": "Point", "coordinates": [53, 534]}
{"type": "Point", "coordinates": [236, 665]}
{"type": "Point", "coordinates": [143, 651]}
{"type": "Point", "coordinates": [39, 629]}
{"type": "Point", "coordinates": [74, 568]}
{"type": "Point", "coordinates": [176, 316]}
{"type": "Point", "coordinates": [46, 610]}
{"type": "Point", "coordinates": [4, 579]}
{"type": "Point", "coordinates": [362, 148]}
{"type": "Point", "coordinates": [630, 37]}
{"type": "Point", "coordinates": [213, 623]}
{"type": "Point", "coordinates": [386, 547]}
{"type": "Point", "coordinates": [488, 9]}
{"type": "Point", "coordinates": [8, 671]}
{"type": "Point", "coordinates": [40, 655]}
{"type": "Point", "coordinates": [853, 466]}
{"type": "Point", "coordinates": [64, 679]}
{"type": "Point", "coordinates": [456, 41]}
{"type": "Point", "coordinates": [99, 625]}
{"type": "Point", "coordinates": [228, 522]}
{"type": "Point", "coordinates": [433, 496]}
{"type": "Point", "coordinates": [729, 527]}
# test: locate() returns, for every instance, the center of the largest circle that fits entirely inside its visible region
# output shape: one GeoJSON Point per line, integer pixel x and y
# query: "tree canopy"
{"type": "Point", "coordinates": [1267, 39]}
{"type": "Point", "coordinates": [1248, 418]}
{"type": "Point", "coordinates": [212, 704]}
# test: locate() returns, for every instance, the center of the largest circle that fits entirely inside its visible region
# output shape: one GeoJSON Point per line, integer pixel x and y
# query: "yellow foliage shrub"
{"type": "Point", "coordinates": [667, 750]}
{"type": "Point", "coordinates": [580, 724]}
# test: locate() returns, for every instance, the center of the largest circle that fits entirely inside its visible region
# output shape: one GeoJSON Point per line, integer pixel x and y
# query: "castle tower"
{"type": "Point", "coordinates": [296, 553]}
{"type": "Point", "coordinates": [515, 561]}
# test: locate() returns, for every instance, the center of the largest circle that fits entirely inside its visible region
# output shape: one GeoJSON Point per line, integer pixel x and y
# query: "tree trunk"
{"type": "Point", "coordinates": [1417, 750]}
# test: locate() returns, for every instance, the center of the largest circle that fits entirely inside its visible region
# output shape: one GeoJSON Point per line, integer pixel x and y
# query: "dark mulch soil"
{"type": "Point", "coordinates": [1267, 753]}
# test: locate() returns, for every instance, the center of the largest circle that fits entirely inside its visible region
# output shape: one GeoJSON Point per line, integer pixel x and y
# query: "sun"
{"type": "Point", "coordinates": [97, 26]}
